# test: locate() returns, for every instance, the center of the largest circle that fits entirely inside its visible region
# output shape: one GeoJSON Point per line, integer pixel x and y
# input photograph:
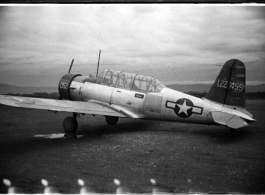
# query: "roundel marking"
{"type": "Point", "coordinates": [184, 107]}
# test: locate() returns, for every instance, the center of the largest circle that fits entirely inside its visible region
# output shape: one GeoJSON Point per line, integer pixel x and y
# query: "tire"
{"type": "Point", "coordinates": [112, 120]}
{"type": "Point", "coordinates": [70, 124]}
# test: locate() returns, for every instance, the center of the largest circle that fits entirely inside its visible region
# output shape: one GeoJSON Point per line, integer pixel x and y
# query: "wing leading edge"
{"type": "Point", "coordinates": [90, 107]}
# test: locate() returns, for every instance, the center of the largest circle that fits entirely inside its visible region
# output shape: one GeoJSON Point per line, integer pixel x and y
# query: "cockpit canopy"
{"type": "Point", "coordinates": [129, 81]}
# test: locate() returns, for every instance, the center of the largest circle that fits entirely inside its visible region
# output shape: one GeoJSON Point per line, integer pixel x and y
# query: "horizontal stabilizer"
{"type": "Point", "coordinates": [236, 122]}
{"type": "Point", "coordinates": [228, 119]}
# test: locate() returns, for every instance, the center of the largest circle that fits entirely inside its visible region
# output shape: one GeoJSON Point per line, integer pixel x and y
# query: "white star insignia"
{"type": "Point", "coordinates": [183, 108]}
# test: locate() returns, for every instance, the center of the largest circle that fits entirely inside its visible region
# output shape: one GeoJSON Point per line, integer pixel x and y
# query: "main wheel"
{"type": "Point", "coordinates": [70, 124]}
{"type": "Point", "coordinates": [112, 120]}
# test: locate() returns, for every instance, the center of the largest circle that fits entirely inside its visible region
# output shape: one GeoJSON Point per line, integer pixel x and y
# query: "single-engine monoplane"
{"type": "Point", "coordinates": [116, 94]}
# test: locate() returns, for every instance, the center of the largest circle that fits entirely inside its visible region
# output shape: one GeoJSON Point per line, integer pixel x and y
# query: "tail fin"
{"type": "Point", "coordinates": [229, 86]}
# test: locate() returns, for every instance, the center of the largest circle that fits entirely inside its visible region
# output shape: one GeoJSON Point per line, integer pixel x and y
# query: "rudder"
{"type": "Point", "coordinates": [229, 86]}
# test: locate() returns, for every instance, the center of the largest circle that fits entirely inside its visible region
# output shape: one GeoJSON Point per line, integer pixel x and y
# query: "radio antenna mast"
{"type": "Point", "coordinates": [98, 62]}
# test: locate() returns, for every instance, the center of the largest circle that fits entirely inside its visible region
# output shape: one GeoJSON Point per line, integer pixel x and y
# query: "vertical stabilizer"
{"type": "Point", "coordinates": [229, 86]}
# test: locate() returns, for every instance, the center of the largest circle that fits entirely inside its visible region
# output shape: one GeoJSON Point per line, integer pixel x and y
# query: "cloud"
{"type": "Point", "coordinates": [39, 41]}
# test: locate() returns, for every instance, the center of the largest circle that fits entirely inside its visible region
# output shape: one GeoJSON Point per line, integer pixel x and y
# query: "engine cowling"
{"type": "Point", "coordinates": [64, 86]}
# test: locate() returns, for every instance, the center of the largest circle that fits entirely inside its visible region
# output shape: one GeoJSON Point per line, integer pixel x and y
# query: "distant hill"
{"type": "Point", "coordinates": [4, 89]}
{"type": "Point", "coordinates": [206, 87]}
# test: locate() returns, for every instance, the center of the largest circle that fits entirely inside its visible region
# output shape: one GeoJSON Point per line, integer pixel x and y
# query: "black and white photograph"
{"type": "Point", "coordinates": [132, 98]}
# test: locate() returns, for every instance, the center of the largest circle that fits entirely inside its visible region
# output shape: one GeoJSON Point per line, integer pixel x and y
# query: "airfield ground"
{"type": "Point", "coordinates": [182, 158]}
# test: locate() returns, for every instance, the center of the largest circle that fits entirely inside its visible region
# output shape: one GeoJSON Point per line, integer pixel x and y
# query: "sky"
{"type": "Point", "coordinates": [174, 43]}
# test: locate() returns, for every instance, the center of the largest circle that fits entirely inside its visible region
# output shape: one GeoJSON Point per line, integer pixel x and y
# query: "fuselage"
{"type": "Point", "coordinates": [159, 104]}
{"type": "Point", "coordinates": [138, 96]}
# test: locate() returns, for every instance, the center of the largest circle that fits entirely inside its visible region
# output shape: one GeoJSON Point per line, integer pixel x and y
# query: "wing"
{"type": "Point", "coordinates": [90, 107]}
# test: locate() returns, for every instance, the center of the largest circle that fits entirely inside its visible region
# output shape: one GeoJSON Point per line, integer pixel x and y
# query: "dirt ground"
{"type": "Point", "coordinates": [182, 158]}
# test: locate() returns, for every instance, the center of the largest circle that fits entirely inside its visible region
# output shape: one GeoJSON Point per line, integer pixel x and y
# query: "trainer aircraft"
{"type": "Point", "coordinates": [116, 94]}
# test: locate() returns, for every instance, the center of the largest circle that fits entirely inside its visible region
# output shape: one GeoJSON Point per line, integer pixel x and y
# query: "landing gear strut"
{"type": "Point", "coordinates": [112, 120]}
{"type": "Point", "coordinates": [70, 124]}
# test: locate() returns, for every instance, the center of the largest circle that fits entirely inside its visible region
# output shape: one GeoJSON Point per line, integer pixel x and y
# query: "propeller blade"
{"type": "Point", "coordinates": [71, 66]}
{"type": "Point", "coordinates": [98, 62]}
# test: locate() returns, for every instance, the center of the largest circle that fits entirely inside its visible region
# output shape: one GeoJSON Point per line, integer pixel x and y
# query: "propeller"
{"type": "Point", "coordinates": [98, 61]}
{"type": "Point", "coordinates": [71, 66]}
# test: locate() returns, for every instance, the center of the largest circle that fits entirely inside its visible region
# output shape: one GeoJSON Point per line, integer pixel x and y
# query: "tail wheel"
{"type": "Point", "coordinates": [70, 124]}
{"type": "Point", "coordinates": [112, 120]}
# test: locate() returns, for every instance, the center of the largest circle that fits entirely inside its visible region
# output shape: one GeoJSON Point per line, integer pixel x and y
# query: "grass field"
{"type": "Point", "coordinates": [181, 157]}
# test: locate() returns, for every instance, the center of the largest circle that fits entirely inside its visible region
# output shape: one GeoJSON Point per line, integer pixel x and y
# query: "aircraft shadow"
{"type": "Point", "coordinates": [217, 134]}
{"type": "Point", "coordinates": [228, 137]}
{"type": "Point", "coordinates": [100, 130]}
{"type": "Point", "coordinates": [223, 135]}
{"type": "Point", "coordinates": [88, 132]}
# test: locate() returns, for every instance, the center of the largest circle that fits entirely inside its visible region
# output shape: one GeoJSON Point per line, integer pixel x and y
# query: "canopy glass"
{"type": "Point", "coordinates": [130, 81]}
